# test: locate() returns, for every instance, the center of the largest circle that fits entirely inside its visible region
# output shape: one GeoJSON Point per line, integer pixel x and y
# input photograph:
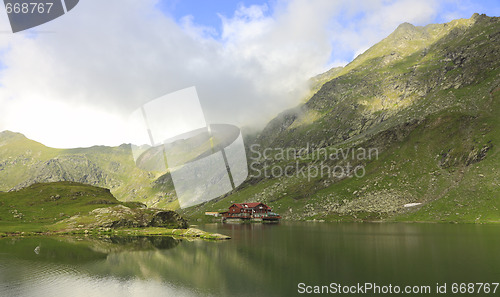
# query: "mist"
{"type": "Point", "coordinates": [74, 81]}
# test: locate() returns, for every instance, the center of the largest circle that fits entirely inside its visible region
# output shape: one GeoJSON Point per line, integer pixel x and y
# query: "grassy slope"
{"type": "Point", "coordinates": [32, 208]}
{"type": "Point", "coordinates": [430, 146]}
{"type": "Point", "coordinates": [22, 160]}
{"type": "Point", "coordinates": [42, 207]}
{"type": "Point", "coordinates": [409, 97]}
{"type": "Point", "coordinates": [473, 195]}
{"type": "Point", "coordinates": [408, 171]}
{"type": "Point", "coordinates": [16, 151]}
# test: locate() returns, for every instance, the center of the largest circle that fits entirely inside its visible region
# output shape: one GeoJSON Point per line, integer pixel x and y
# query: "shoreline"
{"type": "Point", "coordinates": [150, 231]}
{"type": "Point", "coordinates": [192, 232]}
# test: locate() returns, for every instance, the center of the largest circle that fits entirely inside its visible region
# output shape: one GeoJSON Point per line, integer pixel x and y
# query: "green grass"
{"type": "Point", "coordinates": [190, 232]}
{"type": "Point", "coordinates": [475, 199]}
{"type": "Point", "coordinates": [430, 150]}
{"type": "Point", "coordinates": [424, 101]}
{"type": "Point", "coordinates": [411, 170]}
{"type": "Point", "coordinates": [33, 208]}
{"type": "Point", "coordinates": [22, 159]}
{"type": "Point", "coordinates": [39, 208]}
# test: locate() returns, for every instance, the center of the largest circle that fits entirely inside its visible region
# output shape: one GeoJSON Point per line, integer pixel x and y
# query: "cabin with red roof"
{"type": "Point", "coordinates": [251, 210]}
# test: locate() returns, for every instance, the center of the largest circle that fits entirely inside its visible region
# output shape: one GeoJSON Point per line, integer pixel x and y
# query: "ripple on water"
{"type": "Point", "coordinates": [21, 278]}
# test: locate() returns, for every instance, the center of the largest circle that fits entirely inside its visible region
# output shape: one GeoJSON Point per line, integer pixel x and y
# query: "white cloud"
{"type": "Point", "coordinates": [75, 86]}
{"type": "Point", "coordinates": [108, 57]}
{"type": "Point", "coordinates": [360, 26]}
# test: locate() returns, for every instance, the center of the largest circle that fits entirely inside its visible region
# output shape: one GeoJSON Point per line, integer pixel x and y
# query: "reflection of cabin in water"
{"type": "Point", "coordinates": [254, 211]}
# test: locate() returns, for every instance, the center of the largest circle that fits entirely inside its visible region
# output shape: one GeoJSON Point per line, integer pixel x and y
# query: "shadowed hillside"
{"type": "Point", "coordinates": [426, 99]}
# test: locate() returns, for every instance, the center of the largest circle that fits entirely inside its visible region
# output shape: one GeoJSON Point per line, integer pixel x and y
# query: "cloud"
{"type": "Point", "coordinates": [73, 81]}
{"type": "Point", "coordinates": [360, 26]}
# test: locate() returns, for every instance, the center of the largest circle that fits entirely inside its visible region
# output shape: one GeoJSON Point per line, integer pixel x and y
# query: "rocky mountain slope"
{"type": "Point", "coordinates": [24, 162]}
{"type": "Point", "coordinates": [70, 205]}
{"type": "Point", "coordinates": [416, 115]}
{"type": "Point", "coordinates": [425, 101]}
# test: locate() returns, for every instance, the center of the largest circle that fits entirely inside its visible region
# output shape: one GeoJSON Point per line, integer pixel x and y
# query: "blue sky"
{"type": "Point", "coordinates": [208, 14]}
{"type": "Point", "coordinates": [248, 59]}
{"type": "Point", "coordinates": [205, 12]}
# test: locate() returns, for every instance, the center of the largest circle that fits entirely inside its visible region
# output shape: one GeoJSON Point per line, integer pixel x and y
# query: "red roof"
{"type": "Point", "coordinates": [250, 205]}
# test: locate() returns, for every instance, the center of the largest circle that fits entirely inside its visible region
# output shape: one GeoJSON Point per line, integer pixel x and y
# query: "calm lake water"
{"type": "Point", "coordinates": [259, 260]}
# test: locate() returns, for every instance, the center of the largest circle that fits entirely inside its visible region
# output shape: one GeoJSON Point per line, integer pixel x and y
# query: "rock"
{"type": "Point", "coordinates": [411, 204]}
{"type": "Point", "coordinates": [121, 216]}
{"type": "Point", "coordinates": [166, 219]}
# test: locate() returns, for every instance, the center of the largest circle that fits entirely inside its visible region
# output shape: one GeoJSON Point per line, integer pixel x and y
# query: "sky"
{"type": "Point", "coordinates": [74, 81]}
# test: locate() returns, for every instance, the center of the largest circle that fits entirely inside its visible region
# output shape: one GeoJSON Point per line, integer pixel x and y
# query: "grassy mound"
{"type": "Point", "coordinates": [39, 205]}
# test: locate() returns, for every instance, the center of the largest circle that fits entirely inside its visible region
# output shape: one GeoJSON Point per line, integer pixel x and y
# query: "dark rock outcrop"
{"type": "Point", "coordinates": [121, 216]}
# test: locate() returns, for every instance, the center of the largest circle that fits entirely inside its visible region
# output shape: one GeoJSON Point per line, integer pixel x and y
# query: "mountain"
{"type": "Point", "coordinates": [24, 162]}
{"type": "Point", "coordinates": [417, 114]}
{"type": "Point", "coordinates": [70, 206]}
{"type": "Point", "coordinates": [407, 131]}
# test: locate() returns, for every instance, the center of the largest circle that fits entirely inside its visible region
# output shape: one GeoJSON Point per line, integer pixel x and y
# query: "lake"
{"type": "Point", "coordinates": [260, 260]}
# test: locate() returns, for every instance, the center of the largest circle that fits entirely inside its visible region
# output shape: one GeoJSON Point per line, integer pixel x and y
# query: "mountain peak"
{"type": "Point", "coordinates": [476, 16]}
{"type": "Point", "coordinates": [6, 135]}
{"type": "Point", "coordinates": [17, 139]}
{"type": "Point", "coordinates": [406, 32]}
{"type": "Point", "coordinates": [406, 27]}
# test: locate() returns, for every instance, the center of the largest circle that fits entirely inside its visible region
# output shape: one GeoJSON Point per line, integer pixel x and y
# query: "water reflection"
{"type": "Point", "coordinates": [50, 281]}
{"type": "Point", "coordinates": [260, 259]}
{"type": "Point", "coordinates": [83, 266]}
{"type": "Point", "coordinates": [79, 249]}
